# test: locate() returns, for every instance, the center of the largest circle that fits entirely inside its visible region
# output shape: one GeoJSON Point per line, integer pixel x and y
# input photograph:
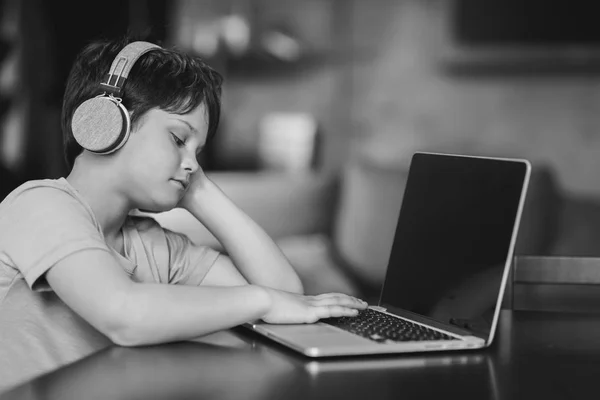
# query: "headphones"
{"type": "Point", "coordinates": [101, 124]}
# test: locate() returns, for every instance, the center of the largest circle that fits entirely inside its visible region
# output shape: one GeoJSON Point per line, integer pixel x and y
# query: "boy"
{"type": "Point", "coordinates": [79, 271]}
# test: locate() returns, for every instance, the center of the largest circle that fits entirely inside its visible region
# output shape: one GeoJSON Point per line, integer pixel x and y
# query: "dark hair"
{"type": "Point", "coordinates": [167, 79]}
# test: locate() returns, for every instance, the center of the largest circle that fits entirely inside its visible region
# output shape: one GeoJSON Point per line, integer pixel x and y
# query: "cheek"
{"type": "Point", "coordinates": [154, 162]}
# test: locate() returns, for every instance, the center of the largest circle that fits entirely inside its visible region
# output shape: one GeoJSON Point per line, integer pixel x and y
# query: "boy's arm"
{"type": "Point", "coordinates": [252, 251]}
{"type": "Point", "coordinates": [94, 285]}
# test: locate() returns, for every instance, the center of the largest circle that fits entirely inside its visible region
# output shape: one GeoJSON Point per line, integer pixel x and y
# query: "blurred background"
{"type": "Point", "coordinates": [325, 101]}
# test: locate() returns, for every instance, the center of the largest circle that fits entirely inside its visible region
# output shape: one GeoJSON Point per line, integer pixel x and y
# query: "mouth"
{"type": "Point", "coordinates": [182, 184]}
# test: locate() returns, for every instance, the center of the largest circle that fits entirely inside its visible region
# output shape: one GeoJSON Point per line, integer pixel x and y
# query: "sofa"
{"type": "Point", "coordinates": [337, 229]}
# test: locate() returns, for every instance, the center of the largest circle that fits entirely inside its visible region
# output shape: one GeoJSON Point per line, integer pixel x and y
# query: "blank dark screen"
{"type": "Point", "coordinates": [453, 238]}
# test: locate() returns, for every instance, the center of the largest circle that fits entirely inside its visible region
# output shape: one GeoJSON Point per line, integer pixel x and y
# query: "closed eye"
{"type": "Point", "coordinates": [178, 141]}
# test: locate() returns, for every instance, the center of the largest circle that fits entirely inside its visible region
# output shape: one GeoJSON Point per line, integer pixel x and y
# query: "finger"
{"type": "Point", "coordinates": [334, 311]}
{"type": "Point", "coordinates": [339, 299]}
{"type": "Point", "coordinates": [332, 294]}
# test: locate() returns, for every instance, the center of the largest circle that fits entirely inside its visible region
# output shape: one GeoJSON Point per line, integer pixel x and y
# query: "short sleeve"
{"type": "Point", "coordinates": [41, 226]}
{"type": "Point", "coordinates": [189, 263]}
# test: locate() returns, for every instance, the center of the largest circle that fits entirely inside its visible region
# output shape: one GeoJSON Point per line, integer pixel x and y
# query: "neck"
{"type": "Point", "coordinates": [95, 183]}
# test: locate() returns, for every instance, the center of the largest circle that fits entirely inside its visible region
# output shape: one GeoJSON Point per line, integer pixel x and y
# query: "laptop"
{"type": "Point", "coordinates": [447, 270]}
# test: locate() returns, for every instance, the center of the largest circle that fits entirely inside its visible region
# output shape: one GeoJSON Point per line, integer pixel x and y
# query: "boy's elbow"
{"type": "Point", "coordinates": [126, 339]}
{"type": "Point", "coordinates": [124, 335]}
{"type": "Point", "coordinates": [122, 327]}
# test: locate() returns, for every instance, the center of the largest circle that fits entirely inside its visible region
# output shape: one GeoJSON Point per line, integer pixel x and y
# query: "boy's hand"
{"type": "Point", "coordinates": [292, 308]}
{"type": "Point", "coordinates": [198, 181]}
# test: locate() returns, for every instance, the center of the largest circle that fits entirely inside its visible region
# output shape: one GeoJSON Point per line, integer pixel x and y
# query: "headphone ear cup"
{"type": "Point", "coordinates": [101, 124]}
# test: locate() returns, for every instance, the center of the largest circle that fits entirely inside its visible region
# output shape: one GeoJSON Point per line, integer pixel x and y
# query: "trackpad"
{"type": "Point", "coordinates": [299, 329]}
{"type": "Point", "coordinates": [314, 335]}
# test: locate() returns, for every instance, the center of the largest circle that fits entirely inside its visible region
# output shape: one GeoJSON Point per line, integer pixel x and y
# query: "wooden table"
{"type": "Point", "coordinates": [536, 355]}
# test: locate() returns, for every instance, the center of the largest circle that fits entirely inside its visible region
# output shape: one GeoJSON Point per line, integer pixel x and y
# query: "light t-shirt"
{"type": "Point", "coordinates": [44, 221]}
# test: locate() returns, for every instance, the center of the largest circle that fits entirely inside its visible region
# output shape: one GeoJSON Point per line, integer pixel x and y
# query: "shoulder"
{"type": "Point", "coordinates": [151, 231]}
{"type": "Point", "coordinates": [145, 224]}
{"type": "Point", "coordinates": [153, 234]}
{"type": "Point", "coordinates": [173, 252]}
{"type": "Point", "coordinates": [42, 190]}
{"type": "Point", "coordinates": [42, 222]}
{"type": "Point", "coordinates": [50, 201]}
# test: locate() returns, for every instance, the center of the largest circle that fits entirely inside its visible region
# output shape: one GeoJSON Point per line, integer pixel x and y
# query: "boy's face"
{"type": "Point", "coordinates": [161, 155]}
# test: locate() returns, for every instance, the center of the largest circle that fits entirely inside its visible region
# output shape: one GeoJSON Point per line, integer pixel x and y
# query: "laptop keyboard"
{"type": "Point", "coordinates": [381, 327]}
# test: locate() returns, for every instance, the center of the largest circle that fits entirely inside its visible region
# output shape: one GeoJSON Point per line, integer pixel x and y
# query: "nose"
{"type": "Point", "coordinates": [189, 163]}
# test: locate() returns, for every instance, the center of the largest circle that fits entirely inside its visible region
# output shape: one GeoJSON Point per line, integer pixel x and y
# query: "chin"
{"type": "Point", "coordinates": [158, 198]}
{"type": "Point", "coordinates": [159, 206]}
{"type": "Point", "coordinates": [150, 211]}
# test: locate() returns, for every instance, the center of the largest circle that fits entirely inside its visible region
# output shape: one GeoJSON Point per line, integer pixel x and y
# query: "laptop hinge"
{"type": "Point", "coordinates": [428, 321]}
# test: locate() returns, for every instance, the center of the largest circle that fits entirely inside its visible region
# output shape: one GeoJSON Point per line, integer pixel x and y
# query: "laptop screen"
{"type": "Point", "coordinates": [454, 238]}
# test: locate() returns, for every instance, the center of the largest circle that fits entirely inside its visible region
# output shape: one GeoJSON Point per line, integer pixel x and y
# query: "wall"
{"type": "Point", "coordinates": [253, 90]}
{"type": "Point", "coordinates": [380, 89]}
{"type": "Point", "coordinates": [404, 101]}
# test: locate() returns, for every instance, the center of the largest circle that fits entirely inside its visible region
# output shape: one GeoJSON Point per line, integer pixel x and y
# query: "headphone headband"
{"type": "Point", "coordinates": [122, 64]}
{"type": "Point", "coordinates": [101, 124]}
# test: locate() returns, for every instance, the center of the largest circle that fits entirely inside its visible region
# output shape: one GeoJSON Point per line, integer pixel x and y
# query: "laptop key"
{"type": "Point", "coordinates": [384, 328]}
